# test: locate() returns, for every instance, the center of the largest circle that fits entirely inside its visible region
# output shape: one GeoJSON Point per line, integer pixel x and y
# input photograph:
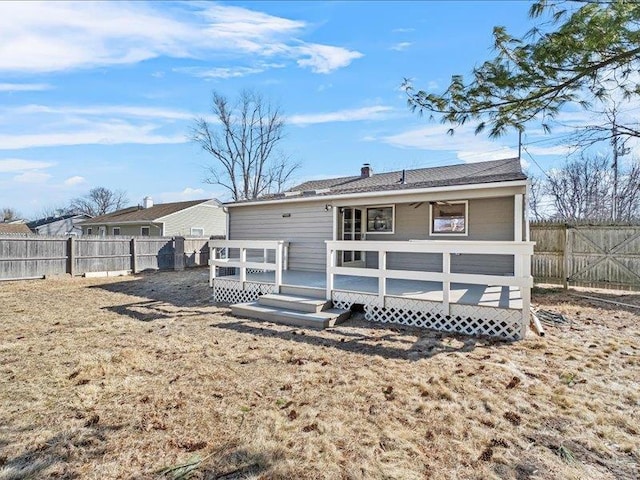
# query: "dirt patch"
{"type": "Point", "coordinates": [142, 377]}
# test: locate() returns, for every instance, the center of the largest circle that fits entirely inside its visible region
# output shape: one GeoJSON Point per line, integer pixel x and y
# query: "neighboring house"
{"type": "Point", "coordinates": [14, 227]}
{"type": "Point", "coordinates": [60, 225]}
{"type": "Point", "coordinates": [191, 218]}
{"type": "Point", "coordinates": [441, 247]}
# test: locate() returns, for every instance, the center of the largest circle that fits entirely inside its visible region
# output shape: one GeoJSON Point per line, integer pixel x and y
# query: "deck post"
{"type": "Point", "coordinates": [212, 267]}
{"type": "Point", "coordinates": [382, 279]}
{"type": "Point", "coordinates": [446, 283]}
{"type": "Point", "coordinates": [278, 272]}
{"type": "Point", "coordinates": [526, 294]}
{"type": "Point", "coordinates": [331, 260]}
{"type": "Point", "coordinates": [243, 268]}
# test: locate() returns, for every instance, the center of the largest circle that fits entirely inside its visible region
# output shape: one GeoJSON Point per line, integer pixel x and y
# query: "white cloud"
{"type": "Point", "coordinates": [403, 30]}
{"type": "Point", "coordinates": [467, 146]}
{"type": "Point", "coordinates": [21, 165]}
{"type": "Point", "coordinates": [32, 177]}
{"type": "Point", "coordinates": [103, 133]}
{"type": "Point", "coordinates": [399, 47]}
{"type": "Point", "coordinates": [188, 193]}
{"type": "Point", "coordinates": [73, 181]}
{"type": "Point", "coordinates": [227, 72]}
{"type": "Point", "coordinates": [57, 36]}
{"type": "Point", "coordinates": [102, 110]}
{"type": "Point", "coordinates": [24, 87]}
{"type": "Point", "coordinates": [350, 115]}
{"type": "Point", "coordinates": [325, 58]}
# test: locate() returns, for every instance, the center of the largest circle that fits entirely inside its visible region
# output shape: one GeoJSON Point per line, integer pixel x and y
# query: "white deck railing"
{"type": "Point", "coordinates": [217, 247]}
{"type": "Point", "coordinates": [521, 251]}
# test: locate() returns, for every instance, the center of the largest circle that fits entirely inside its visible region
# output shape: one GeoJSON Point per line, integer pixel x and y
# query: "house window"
{"type": "Point", "coordinates": [116, 230]}
{"type": "Point", "coordinates": [449, 218]}
{"type": "Point", "coordinates": [102, 231]}
{"type": "Point", "coordinates": [89, 231]}
{"type": "Point", "coordinates": [380, 219]}
{"type": "Point", "coordinates": [197, 232]}
{"type": "Point", "coordinates": [144, 231]}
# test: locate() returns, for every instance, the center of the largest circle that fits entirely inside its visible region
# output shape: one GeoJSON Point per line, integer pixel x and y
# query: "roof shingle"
{"type": "Point", "coordinates": [139, 214]}
{"type": "Point", "coordinates": [463, 174]}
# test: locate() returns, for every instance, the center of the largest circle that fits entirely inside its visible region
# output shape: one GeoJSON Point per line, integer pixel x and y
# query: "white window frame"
{"type": "Point", "coordinates": [450, 234]}
{"type": "Point", "coordinates": [102, 231]}
{"type": "Point", "coordinates": [148, 230]}
{"type": "Point", "coordinates": [393, 219]}
{"type": "Point", "coordinates": [113, 230]}
{"type": "Point", "coordinates": [201, 229]}
{"type": "Point", "coordinates": [89, 230]}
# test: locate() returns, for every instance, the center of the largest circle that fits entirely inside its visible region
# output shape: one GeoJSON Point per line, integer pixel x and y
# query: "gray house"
{"type": "Point", "coordinates": [190, 218]}
{"type": "Point", "coordinates": [60, 225]}
{"type": "Point", "coordinates": [442, 247]}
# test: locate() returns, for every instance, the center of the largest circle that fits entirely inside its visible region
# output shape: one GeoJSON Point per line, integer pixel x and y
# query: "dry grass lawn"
{"type": "Point", "coordinates": [122, 377]}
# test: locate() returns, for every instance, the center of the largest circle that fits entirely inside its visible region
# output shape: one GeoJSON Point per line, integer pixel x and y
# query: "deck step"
{"type": "Point", "coordinates": [311, 292]}
{"type": "Point", "coordinates": [324, 319]}
{"type": "Point", "coordinates": [294, 302]}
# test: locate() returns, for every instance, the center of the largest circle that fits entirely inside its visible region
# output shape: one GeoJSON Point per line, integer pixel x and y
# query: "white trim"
{"type": "Point", "coordinates": [393, 219]}
{"type": "Point", "coordinates": [389, 193]}
{"type": "Point", "coordinates": [113, 230]}
{"type": "Point", "coordinates": [195, 234]}
{"type": "Point", "coordinates": [142, 228]}
{"type": "Point", "coordinates": [451, 234]}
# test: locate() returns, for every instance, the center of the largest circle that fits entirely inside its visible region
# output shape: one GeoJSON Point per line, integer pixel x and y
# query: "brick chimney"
{"type": "Point", "coordinates": [366, 171]}
{"type": "Point", "coordinates": [147, 202]}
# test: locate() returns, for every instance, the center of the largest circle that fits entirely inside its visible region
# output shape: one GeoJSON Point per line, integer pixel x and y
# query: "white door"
{"type": "Point", "coordinates": [352, 225]}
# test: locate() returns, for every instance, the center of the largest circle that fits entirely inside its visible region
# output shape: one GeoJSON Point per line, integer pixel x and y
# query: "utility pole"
{"type": "Point", "coordinates": [614, 199]}
{"type": "Point", "coordinates": [519, 144]}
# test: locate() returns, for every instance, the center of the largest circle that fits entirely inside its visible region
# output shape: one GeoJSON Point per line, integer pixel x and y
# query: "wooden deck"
{"type": "Point", "coordinates": [464, 294]}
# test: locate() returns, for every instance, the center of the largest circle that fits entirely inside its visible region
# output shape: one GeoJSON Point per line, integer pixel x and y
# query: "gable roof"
{"type": "Point", "coordinates": [14, 228]}
{"type": "Point", "coordinates": [47, 220]}
{"type": "Point", "coordinates": [139, 214]}
{"type": "Point", "coordinates": [463, 174]}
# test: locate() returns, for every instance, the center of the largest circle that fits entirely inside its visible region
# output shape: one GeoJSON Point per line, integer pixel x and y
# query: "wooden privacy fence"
{"type": "Point", "coordinates": [603, 256]}
{"type": "Point", "coordinates": [26, 257]}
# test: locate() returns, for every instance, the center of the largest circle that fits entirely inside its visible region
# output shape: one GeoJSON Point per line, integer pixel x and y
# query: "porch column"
{"type": "Point", "coordinates": [518, 217]}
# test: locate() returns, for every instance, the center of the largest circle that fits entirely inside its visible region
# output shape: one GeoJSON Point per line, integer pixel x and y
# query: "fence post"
{"type": "Point", "coordinates": [134, 260]}
{"type": "Point", "coordinates": [178, 253]}
{"type": "Point", "coordinates": [565, 259]}
{"type": "Point", "coordinates": [71, 256]}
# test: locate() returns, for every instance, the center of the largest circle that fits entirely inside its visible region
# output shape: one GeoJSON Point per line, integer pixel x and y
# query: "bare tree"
{"type": "Point", "coordinates": [98, 201]}
{"type": "Point", "coordinates": [584, 190]}
{"type": "Point", "coordinates": [243, 142]}
{"type": "Point", "coordinates": [580, 189]}
{"type": "Point", "coordinates": [536, 193]}
{"type": "Point", "coordinates": [8, 214]}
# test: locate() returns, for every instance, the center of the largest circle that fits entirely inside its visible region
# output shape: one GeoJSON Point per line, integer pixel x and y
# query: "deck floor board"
{"type": "Point", "coordinates": [466, 294]}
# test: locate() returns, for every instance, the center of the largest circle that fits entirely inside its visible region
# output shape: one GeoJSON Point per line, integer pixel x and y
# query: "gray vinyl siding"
{"type": "Point", "coordinates": [488, 219]}
{"type": "Point", "coordinates": [306, 229]}
{"type": "Point", "coordinates": [211, 218]}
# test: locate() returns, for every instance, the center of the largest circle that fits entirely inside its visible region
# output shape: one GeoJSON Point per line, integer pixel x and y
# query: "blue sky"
{"type": "Point", "coordinates": [103, 94]}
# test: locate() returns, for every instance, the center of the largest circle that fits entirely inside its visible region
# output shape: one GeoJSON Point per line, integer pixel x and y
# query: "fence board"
{"type": "Point", "coordinates": [25, 257]}
{"type": "Point", "coordinates": [604, 256]}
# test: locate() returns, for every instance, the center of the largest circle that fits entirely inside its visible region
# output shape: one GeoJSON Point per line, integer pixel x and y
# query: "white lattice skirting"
{"type": "Point", "coordinates": [233, 291]}
{"type": "Point", "coordinates": [467, 319]}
